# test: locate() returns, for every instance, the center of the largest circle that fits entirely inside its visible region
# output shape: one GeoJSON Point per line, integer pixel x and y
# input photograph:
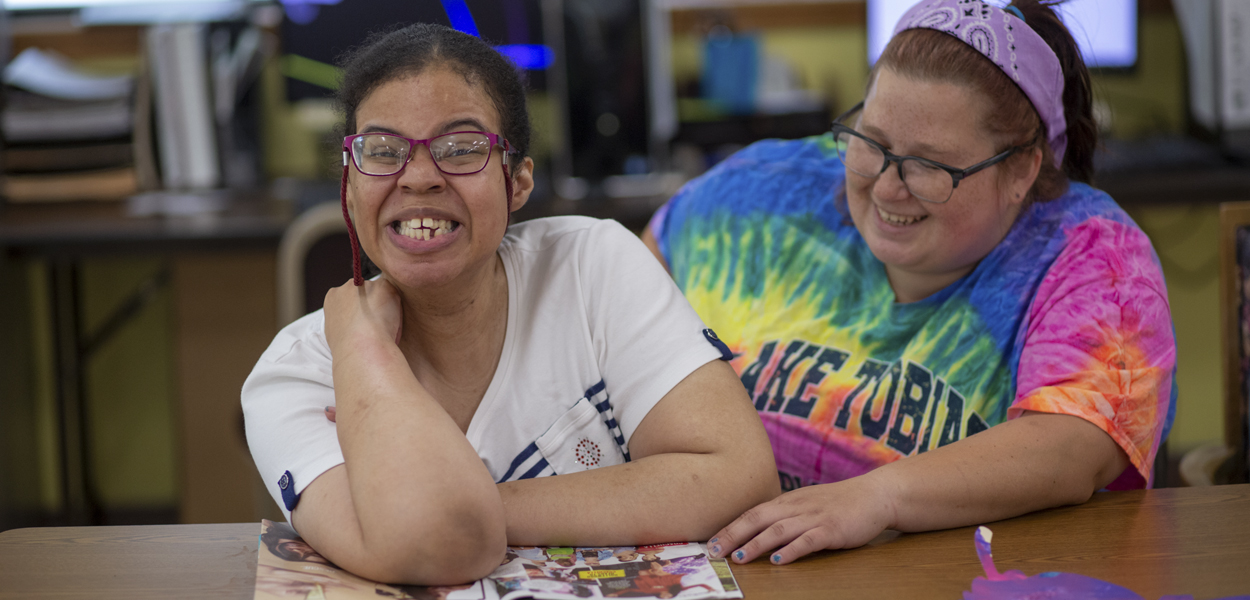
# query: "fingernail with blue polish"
{"type": "Point", "coordinates": [713, 540]}
{"type": "Point", "coordinates": [776, 559]}
{"type": "Point", "coordinates": [740, 555]}
{"type": "Point", "coordinates": [715, 550]}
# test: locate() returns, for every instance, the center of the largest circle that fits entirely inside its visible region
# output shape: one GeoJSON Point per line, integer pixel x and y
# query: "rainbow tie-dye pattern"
{"type": "Point", "coordinates": [1067, 315]}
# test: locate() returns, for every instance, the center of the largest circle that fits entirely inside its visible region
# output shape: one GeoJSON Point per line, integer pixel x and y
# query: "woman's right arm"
{"type": "Point", "coordinates": [413, 503]}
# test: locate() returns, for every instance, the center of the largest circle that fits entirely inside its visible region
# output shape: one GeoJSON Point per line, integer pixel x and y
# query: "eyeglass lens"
{"type": "Point", "coordinates": [454, 153]}
{"type": "Point", "coordinates": [923, 180]}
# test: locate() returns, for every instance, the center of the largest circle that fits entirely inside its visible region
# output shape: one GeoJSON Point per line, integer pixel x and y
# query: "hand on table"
{"type": "Point", "coordinates": [846, 514]}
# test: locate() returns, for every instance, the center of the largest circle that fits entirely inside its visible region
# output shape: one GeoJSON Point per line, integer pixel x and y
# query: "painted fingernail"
{"type": "Point", "coordinates": [776, 559]}
{"type": "Point", "coordinates": [713, 540]}
{"type": "Point", "coordinates": [740, 555]}
{"type": "Point", "coordinates": [715, 550]}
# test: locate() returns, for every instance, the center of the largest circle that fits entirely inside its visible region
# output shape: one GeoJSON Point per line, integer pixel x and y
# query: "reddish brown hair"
{"type": "Point", "coordinates": [931, 55]}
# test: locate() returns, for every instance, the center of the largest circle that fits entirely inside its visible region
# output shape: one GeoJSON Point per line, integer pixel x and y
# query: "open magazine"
{"type": "Point", "coordinates": [287, 567]}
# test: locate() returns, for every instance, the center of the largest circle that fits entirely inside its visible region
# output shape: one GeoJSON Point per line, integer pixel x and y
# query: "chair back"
{"type": "Point", "coordinates": [314, 255]}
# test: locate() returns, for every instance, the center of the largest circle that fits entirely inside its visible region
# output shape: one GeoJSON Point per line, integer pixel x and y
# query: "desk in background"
{"type": "Point", "coordinates": [212, 246]}
{"type": "Point", "coordinates": [1173, 541]}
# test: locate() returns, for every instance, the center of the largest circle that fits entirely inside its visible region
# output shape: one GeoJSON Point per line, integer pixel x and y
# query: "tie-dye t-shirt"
{"type": "Point", "coordinates": [1068, 314]}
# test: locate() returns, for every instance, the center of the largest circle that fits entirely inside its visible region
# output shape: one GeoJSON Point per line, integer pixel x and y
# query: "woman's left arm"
{"type": "Point", "coordinates": [700, 458]}
{"type": "Point", "coordinates": [1036, 461]}
{"type": "Point", "coordinates": [1095, 384]}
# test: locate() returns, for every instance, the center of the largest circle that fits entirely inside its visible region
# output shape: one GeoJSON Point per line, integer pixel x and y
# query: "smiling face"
{"type": "Point", "coordinates": [927, 246]}
{"type": "Point", "coordinates": [424, 228]}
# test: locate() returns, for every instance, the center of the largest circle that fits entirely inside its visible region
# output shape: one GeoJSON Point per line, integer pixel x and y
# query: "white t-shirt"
{"type": "Point", "coordinates": [597, 334]}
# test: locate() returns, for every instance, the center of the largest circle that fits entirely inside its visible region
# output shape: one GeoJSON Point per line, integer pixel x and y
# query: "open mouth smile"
{"type": "Point", "coordinates": [900, 220]}
{"type": "Point", "coordinates": [424, 229]}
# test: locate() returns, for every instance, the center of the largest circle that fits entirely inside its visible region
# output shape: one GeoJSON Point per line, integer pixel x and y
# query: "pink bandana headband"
{"type": "Point", "coordinates": [1008, 42]}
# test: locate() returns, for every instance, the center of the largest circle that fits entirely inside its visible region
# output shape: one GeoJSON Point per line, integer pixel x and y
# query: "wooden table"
{"type": "Point", "coordinates": [1171, 541]}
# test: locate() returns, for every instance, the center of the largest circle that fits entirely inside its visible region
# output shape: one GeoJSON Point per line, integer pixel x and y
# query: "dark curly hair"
{"type": "Point", "coordinates": [408, 51]}
{"type": "Point", "coordinates": [389, 55]}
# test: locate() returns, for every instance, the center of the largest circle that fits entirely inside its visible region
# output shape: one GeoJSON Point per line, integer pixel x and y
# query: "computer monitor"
{"type": "Point", "coordinates": [1105, 30]}
{"type": "Point", "coordinates": [321, 30]}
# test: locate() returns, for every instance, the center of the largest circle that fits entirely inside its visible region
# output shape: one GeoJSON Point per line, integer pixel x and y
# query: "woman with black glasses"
{"type": "Point", "coordinates": [938, 319]}
{"type": "Point", "coordinates": [485, 358]}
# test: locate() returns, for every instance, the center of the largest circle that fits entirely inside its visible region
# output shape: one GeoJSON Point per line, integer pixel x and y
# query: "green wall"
{"type": "Point", "coordinates": [20, 469]}
{"type": "Point", "coordinates": [1185, 238]}
{"type": "Point", "coordinates": [130, 388]}
{"type": "Point", "coordinates": [1152, 98]}
{"type": "Point", "coordinates": [833, 61]}
{"type": "Point", "coordinates": [132, 393]}
{"type": "Point", "coordinates": [829, 60]}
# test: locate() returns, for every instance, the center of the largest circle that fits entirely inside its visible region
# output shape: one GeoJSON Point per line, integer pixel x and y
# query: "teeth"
{"type": "Point", "coordinates": [425, 228]}
{"type": "Point", "coordinates": [894, 219]}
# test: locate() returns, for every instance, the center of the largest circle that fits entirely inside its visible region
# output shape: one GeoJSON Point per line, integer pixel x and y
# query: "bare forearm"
{"type": "Point", "coordinates": [661, 498]}
{"type": "Point", "coordinates": [1034, 462]}
{"type": "Point", "coordinates": [412, 490]}
{"type": "Point", "coordinates": [701, 457]}
{"type": "Point", "coordinates": [1031, 463]}
{"type": "Point", "coordinates": [402, 449]}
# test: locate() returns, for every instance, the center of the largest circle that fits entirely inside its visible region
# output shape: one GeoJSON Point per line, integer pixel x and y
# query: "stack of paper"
{"type": "Point", "coordinates": [68, 134]}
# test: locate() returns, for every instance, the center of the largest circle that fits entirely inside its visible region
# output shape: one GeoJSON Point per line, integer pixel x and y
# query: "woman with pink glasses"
{"type": "Point", "coordinates": [486, 357]}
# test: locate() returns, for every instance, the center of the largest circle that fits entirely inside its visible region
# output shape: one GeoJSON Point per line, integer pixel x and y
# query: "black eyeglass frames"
{"type": "Point", "coordinates": [925, 179]}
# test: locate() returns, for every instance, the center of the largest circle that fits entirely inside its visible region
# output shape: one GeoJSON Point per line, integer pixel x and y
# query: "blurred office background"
{"type": "Point", "coordinates": [629, 98]}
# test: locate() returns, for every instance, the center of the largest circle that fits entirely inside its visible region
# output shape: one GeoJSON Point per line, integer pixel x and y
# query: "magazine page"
{"type": "Point", "coordinates": [664, 571]}
{"type": "Point", "coordinates": [286, 567]}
